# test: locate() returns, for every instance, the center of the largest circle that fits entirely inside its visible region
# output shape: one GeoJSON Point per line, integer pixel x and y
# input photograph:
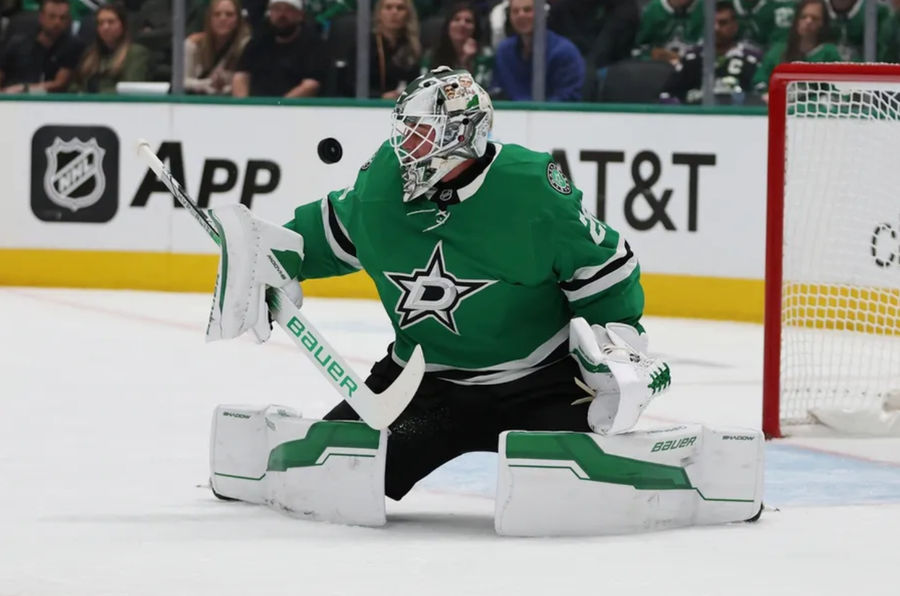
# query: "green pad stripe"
{"type": "Point", "coordinates": [598, 465]}
{"type": "Point", "coordinates": [322, 435]}
{"type": "Point", "coordinates": [565, 448]}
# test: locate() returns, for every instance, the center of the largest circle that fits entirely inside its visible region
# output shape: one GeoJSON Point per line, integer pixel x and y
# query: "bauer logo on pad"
{"type": "Point", "coordinates": [75, 173]}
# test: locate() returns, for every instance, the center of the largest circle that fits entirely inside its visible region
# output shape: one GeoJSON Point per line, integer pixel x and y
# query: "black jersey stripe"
{"type": "Point", "coordinates": [337, 231]}
{"type": "Point", "coordinates": [576, 284]}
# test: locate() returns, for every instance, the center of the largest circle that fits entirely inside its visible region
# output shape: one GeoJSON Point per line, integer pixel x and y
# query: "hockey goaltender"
{"type": "Point", "coordinates": [527, 309]}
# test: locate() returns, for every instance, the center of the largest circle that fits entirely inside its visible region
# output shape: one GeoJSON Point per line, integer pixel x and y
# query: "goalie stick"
{"type": "Point", "coordinates": [377, 410]}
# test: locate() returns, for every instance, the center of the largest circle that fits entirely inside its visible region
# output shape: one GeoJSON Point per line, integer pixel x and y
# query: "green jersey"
{"type": "Point", "coordinates": [848, 28]}
{"type": "Point", "coordinates": [826, 52]}
{"type": "Point", "coordinates": [484, 275]}
{"type": "Point", "coordinates": [889, 39]}
{"type": "Point", "coordinates": [764, 22]}
{"type": "Point", "coordinates": [662, 26]}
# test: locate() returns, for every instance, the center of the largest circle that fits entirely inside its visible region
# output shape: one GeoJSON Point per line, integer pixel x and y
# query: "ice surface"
{"type": "Point", "coordinates": [106, 401]}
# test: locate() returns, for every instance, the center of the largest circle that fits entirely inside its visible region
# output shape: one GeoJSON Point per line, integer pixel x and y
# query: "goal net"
{"type": "Point", "coordinates": [833, 249]}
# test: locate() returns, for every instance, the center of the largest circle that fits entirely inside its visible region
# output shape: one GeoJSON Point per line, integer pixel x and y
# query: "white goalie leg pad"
{"type": "Point", "coordinates": [566, 483]}
{"type": "Point", "coordinates": [239, 450]}
{"type": "Point", "coordinates": [321, 470]}
{"type": "Point", "coordinates": [327, 471]}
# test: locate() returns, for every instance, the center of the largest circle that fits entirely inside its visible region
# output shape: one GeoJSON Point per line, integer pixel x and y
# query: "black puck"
{"type": "Point", "coordinates": [330, 150]}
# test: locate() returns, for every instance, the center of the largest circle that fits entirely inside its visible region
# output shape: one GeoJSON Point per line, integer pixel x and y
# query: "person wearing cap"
{"type": "Point", "coordinates": [283, 59]}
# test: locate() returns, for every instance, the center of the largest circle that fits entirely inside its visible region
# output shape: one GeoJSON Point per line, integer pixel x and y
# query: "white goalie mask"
{"type": "Point", "coordinates": [442, 119]}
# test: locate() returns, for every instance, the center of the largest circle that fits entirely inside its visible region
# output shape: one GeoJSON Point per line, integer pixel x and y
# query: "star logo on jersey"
{"type": "Point", "coordinates": [433, 292]}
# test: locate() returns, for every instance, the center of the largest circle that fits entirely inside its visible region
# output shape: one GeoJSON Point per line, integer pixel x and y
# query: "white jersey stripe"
{"type": "Point", "coordinates": [505, 371]}
{"type": "Point", "coordinates": [589, 272]}
{"type": "Point", "coordinates": [603, 283]}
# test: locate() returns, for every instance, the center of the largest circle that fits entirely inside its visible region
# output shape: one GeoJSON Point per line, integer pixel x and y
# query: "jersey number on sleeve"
{"type": "Point", "coordinates": [594, 226]}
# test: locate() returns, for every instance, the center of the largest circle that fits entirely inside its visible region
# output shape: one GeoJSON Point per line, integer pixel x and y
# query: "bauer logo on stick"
{"type": "Point", "coordinates": [74, 173]}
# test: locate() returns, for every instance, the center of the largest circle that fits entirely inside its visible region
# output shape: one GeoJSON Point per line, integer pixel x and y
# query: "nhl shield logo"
{"type": "Point", "coordinates": [74, 176]}
{"type": "Point", "coordinates": [74, 173]}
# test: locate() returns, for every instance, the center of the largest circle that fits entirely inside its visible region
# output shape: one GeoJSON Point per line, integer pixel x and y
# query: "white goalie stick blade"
{"type": "Point", "coordinates": [378, 410]}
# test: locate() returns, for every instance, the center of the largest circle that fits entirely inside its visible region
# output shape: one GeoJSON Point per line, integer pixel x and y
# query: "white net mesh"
{"type": "Point", "coordinates": [841, 253]}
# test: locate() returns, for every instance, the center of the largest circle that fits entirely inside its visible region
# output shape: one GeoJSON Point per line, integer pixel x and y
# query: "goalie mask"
{"type": "Point", "coordinates": [442, 119]}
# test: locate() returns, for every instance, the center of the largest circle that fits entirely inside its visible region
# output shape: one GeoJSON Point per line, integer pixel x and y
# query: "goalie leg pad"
{"type": "Point", "coordinates": [313, 469]}
{"type": "Point", "coordinates": [565, 483]}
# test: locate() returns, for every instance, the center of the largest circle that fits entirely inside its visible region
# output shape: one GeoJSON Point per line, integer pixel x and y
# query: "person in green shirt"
{"type": "Point", "coordinates": [889, 36]}
{"type": "Point", "coordinates": [112, 57]}
{"type": "Point", "coordinates": [482, 254]}
{"type": "Point", "coordinates": [764, 22]}
{"type": "Point", "coordinates": [848, 26]}
{"type": "Point", "coordinates": [805, 43]}
{"type": "Point", "coordinates": [668, 28]}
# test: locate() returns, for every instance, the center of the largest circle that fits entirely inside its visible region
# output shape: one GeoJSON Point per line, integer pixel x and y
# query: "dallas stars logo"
{"type": "Point", "coordinates": [433, 292]}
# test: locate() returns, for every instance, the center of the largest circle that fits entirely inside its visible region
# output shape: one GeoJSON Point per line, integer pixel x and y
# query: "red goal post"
{"type": "Point", "coordinates": [832, 319]}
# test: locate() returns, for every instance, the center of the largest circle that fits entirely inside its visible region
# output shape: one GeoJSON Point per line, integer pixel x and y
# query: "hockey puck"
{"type": "Point", "coordinates": [330, 150]}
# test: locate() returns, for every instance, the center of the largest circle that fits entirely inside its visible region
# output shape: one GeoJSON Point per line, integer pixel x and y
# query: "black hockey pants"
{"type": "Point", "coordinates": [446, 419]}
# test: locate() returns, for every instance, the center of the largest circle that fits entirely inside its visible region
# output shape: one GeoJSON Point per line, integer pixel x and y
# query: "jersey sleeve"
{"type": "Point", "coordinates": [328, 249]}
{"type": "Point", "coordinates": [595, 266]}
{"type": "Point", "coordinates": [771, 59]}
{"type": "Point", "coordinates": [326, 228]}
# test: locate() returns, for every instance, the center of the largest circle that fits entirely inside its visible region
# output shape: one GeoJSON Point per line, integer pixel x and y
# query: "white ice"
{"type": "Point", "coordinates": [104, 416]}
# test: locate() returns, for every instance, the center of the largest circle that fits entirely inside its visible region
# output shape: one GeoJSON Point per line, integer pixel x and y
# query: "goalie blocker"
{"type": "Point", "coordinates": [549, 483]}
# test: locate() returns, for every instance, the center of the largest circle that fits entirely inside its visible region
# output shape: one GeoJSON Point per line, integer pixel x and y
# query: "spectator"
{"type": "Point", "coordinates": [78, 9]}
{"type": "Point", "coordinates": [602, 30]}
{"type": "Point", "coordinates": [395, 51]}
{"type": "Point", "coordinates": [764, 22]}
{"type": "Point", "coordinates": [512, 68]}
{"type": "Point", "coordinates": [460, 45]}
{"type": "Point", "coordinates": [736, 63]}
{"type": "Point", "coordinates": [284, 59]}
{"type": "Point", "coordinates": [889, 36]}
{"type": "Point", "coordinates": [805, 43]}
{"type": "Point", "coordinates": [325, 11]}
{"type": "Point", "coordinates": [848, 26]}
{"type": "Point", "coordinates": [210, 57]}
{"type": "Point", "coordinates": [112, 57]}
{"type": "Point", "coordinates": [668, 28]}
{"type": "Point", "coordinates": [43, 62]}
